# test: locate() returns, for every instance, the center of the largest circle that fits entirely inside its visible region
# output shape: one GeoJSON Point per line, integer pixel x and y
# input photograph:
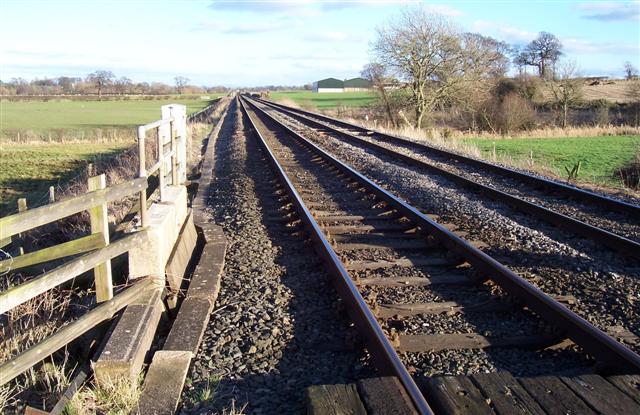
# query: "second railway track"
{"type": "Point", "coordinates": [415, 288]}
{"type": "Point", "coordinates": [610, 222]}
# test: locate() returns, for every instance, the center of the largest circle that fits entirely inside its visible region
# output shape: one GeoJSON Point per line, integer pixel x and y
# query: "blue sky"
{"type": "Point", "coordinates": [253, 43]}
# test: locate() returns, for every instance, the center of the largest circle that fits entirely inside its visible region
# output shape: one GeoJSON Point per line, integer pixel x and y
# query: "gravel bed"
{"type": "Point", "coordinates": [277, 327]}
{"type": "Point", "coordinates": [606, 287]}
{"type": "Point", "coordinates": [619, 223]}
{"type": "Point", "coordinates": [582, 209]}
{"type": "Point", "coordinates": [516, 322]}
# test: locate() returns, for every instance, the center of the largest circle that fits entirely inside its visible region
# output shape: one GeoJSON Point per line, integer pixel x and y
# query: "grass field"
{"type": "Point", "coordinates": [28, 170]}
{"type": "Point", "coordinates": [600, 157]}
{"type": "Point", "coordinates": [85, 115]}
{"type": "Point", "coordinates": [326, 100]}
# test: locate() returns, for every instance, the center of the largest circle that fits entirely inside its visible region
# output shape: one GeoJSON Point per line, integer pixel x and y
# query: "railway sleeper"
{"type": "Point", "coordinates": [458, 341]}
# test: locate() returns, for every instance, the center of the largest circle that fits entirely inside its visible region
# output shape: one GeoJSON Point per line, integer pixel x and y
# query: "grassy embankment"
{"type": "Point", "coordinates": [600, 157]}
{"type": "Point", "coordinates": [327, 100]}
{"type": "Point", "coordinates": [29, 167]}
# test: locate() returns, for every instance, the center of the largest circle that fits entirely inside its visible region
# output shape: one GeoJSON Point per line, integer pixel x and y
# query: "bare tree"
{"type": "Point", "coordinates": [101, 79]}
{"type": "Point", "coordinates": [543, 53]}
{"type": "Point", "coordinates": [181, 82]}
{"type": "Point", "coordinates": [433, 59]}
{"type": "Point", "coordinates": [123, 85]}
{"type": "Point", "coordinates": [630, 71]}
{"type": "Point", "coordinates": [377, 74]}
{"type": "Point", "coordinates": [567, 90]}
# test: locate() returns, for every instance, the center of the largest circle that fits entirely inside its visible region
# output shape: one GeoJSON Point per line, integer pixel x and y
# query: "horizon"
{"type": "Point", "coordinates": [293, 43]}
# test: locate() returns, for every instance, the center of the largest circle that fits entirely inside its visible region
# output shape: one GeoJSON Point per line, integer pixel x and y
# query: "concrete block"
{"type": "Point", "coordinates": [190, 324]}
{"type": "Point", "coordinates": [205, 282]}
{"type": "Point", "coordinates": [164, 382]}
{"type": "Point", "coordinates": [181, 255]}
{"type": "Point", "coordinates": [130, 340]}
{"type": "Point", "coordinates": [165, 222]}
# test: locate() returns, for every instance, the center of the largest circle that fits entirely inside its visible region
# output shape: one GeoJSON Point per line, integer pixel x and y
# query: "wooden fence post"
{"type": "Point", "coordinates": [100, 224]}
{"type": "Point", "coordinates": [22, 206]}
{"type": "Point", "coordinates": [142, 172]}
{"type": "Point", "coordinates": [52, 194]}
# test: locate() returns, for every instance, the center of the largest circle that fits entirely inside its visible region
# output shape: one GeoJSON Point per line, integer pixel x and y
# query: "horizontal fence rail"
{"type": "Point", "coordinates": [94, 251]}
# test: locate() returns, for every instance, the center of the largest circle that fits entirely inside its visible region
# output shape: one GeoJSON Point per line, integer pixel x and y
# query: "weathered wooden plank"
{"type": "Point", "coordinates": [24, 292]}
{"type": "Point", "coordinates": [70, 332]}
{"type": "Point", "coordinates": [20, 222]}
{"type": "Point", "coordinates": [629, 384]}
{"type": "Point", "coordinates": [350, 218]}
{"type": "Point", "coordinates": [100, 225]}
{"type": "Point", "coordinates": [404, 262]}
{"type": "Point", "coordinates": [457, 341]}
{"type": "Point", "coordinates": [506, 395]}
{"type": "Point", "coordinates": [409, 244]}
{"type": "Point", "coordinates": [455, 395]}
{"type": "Point", "coordinates": [334, 400]}
{"type": "Point", "coordinates": [385, 396]}
{"type": "Point", "coordinates": [5, 241]}
{"type": "Point", "coordinates": [602, 395]}
{"type": "Point", "coordinates": [554, 396]}
{"type": "Point", "coordinates": [74, 247]}
{"type": "Point", "coordinates": [450, 307]}
{"type": "Point", "coordinates": [455, 279]}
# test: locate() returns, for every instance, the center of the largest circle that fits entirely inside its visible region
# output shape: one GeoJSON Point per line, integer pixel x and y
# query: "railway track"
{"type": "Point", "coordinates": [407, 278]}
{"type": "Point", "coordinates": [608, 221]}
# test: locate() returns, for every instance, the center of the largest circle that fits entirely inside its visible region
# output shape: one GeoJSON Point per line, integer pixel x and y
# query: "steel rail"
{"type": "Point", "coordinates": [590, 338]}
{"type": "Point", "coordinates": [574, 192]}
{"type": "Point", "coordinates": [378, 344]}
{"type": "Point", "coordinates": [610, 239]}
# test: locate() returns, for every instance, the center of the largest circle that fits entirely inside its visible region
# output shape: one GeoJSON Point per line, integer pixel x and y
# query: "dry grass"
{"type": "Point", "coordinates": [119, 395]}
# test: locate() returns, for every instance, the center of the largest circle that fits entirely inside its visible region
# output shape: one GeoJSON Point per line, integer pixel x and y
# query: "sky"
{"type": "Point", "coordinates": [252, 43]}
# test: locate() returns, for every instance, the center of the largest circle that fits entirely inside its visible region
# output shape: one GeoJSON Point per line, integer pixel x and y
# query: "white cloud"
{"type": "Point", "coordinates": [611, 11]}
{"type": "Point", "coordinates": [507, 33]}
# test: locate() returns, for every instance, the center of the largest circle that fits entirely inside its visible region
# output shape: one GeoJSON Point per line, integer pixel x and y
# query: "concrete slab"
{"type": "Point", "coordinates": [205, 282]}
{"type": "Point", "coordinates": [130, 340]}
{"type": "Point", "coordinates": [165, 221]}
{"type": "Point", "coordinates": [164, 382]}
{"type": "Point", "coordinates": [181, 255]}
{"type": "Point", "coordinates": [191, 322]}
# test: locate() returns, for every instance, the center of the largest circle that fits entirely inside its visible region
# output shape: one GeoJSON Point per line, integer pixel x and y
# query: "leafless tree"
{"type": "Point", "coordinates": [567, 90]}
{"type": "Point", "coordinates": [435, 61]}
{"type": "Point", "coordinates": [181, 82]}
{"type": "Point", "coordinates": [123, 85]}
{"type": "Point", "coordinates": [377, 74]}
{"type": "Point", "coordinates": [543, 53]}
{"type": "Point", "coordinates": [630, 71]}
{"type": "Point", "coordinates": [101, 79]}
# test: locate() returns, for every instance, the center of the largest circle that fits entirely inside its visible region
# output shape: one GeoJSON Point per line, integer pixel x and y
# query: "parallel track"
{"type": "Point", "coordinates": [626, 211]}
{"type": "Point", "coordinates": [354, 224]}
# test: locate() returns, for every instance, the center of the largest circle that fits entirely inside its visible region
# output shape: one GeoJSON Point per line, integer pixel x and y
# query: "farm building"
{"type": "Point", "coordinates": [336, 85]}
{"type": "Point", "coordinates": [328, 85]}
{"type": "Point", "coordinates": [356, 84]}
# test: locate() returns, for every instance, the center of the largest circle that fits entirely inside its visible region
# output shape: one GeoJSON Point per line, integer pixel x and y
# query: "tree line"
{"type": "Point", "coordinates": [423, 65]}
{"type": "Point", "coordinates": [102, 82]}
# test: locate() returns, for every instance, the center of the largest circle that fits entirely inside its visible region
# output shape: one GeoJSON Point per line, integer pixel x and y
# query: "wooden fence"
{"type": "Point", "coordinates": [95, 250]}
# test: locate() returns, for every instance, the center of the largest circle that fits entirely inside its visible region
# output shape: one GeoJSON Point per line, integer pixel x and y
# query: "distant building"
{"type": "Point", "coordinates": [336, 85]}
{"type": "Point", "coordinates": [357, 84]}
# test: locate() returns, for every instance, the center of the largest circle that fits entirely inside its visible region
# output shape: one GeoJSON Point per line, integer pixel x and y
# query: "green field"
{"type": "Point", "coordinates": [28, 170]}
{"type": "Point", "coordinates": [600, 157]}
{"type": "Point", "coordinates": [85, 115]}
{"type": "Point", "coordinates": [326, 100]}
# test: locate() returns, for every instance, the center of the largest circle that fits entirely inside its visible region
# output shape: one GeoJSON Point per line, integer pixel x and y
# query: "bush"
{"type": "Point", "coordinates": [514, 114]}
